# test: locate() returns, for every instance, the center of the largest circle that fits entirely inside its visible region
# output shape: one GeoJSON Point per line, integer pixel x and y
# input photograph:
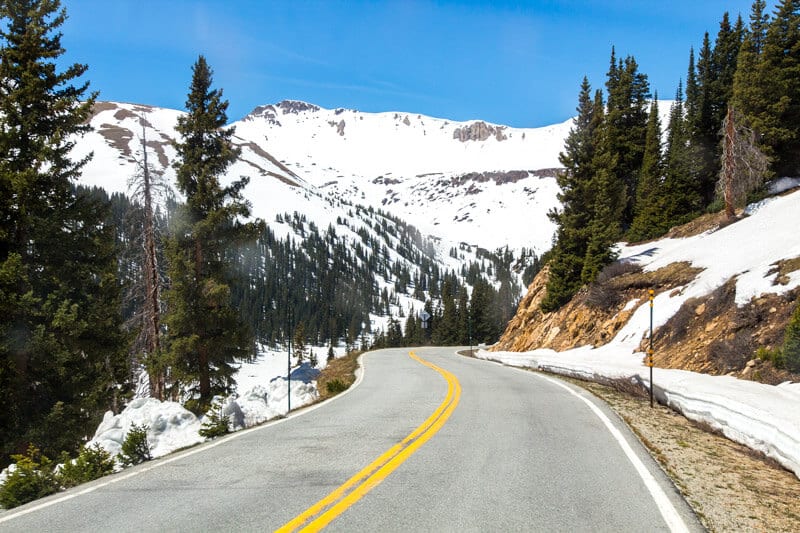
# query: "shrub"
{"type": "Point", "coordinates": [791, 342]}
{"type": "Point", "coordinates": [617, 269]}
{"type": "Point", "coordinates": [775, 356]}
{"type": "Point", "coordinates": [135, 449]}
{"type": "Point", "coordinates": [215, 424]}
{"type": "Point", "coordinates": [602, 296]}
{"type": "Point", "coordinates": [32, 479]}
{"type": "Point", "coordinates": [336, 386]}
{"type": "Point", "coordinates": [92, 462]}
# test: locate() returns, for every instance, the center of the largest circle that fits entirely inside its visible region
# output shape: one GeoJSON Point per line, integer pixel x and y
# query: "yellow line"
{"type": "Point", "coordinates": [369, 477]}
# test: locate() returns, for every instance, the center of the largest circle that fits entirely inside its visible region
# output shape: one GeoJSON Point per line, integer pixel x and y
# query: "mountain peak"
{"type": "Point", "coordinates": [284, 107]}
{"type": "Point", "coordinates": [296, 106]}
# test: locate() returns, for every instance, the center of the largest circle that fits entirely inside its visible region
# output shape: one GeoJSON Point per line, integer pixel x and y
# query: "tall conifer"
{"type": "Point", "coordinates": [205, 334]}
{"type": "Point", "coordinates": [61, 347]}
{"type": "Point", "coordinates": [625, 129]}
{"type": "Point", "coordinates": [777, 114]}
{"type": "Point", "coordinates": [574, 216]}
{"type": "Point", "coordinates": [748, 86]}
{"type": "Point", "coordinates": [649, 220]}
{"type": "Point", "coordinates": [683, 184]}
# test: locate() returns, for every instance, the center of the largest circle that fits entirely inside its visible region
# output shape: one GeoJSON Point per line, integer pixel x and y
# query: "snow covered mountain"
{"type": "Point", "coordinates": [482, 184]}
{"type": "Point", "coordinates": [457, 180]}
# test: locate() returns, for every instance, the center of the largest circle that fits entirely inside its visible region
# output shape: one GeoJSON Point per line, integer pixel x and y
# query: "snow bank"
{"type": "Point", "coordinates": [260, 403]}
{"type": "Point", "coordinates": [763, 417]}
{"type": "Point", "coordinates": [170, 427]}
{"type": "Point", "coordinates": [757, 415]}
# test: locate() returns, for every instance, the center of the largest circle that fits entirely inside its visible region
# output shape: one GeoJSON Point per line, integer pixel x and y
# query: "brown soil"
{"type": "Point", "coordinates": [713, 335]}
{"type": "Point", "coordinates": [730, 487]}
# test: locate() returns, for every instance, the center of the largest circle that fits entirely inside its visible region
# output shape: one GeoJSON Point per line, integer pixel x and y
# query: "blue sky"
{"type": "Point", "coordinates": [515, 63]}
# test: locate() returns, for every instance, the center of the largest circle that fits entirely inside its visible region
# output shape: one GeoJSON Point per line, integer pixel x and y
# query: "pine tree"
{"type": "Point", "coordinates": [61, 347]}
{"type": "Point", "coordinates": [683, 196]}
{"type": "Point", "coordinates": [625, 129]}
{"type": "Point", "coordinates": [648, 220]}
{"type": "Point", "coordinates": [692, 91]}
{"type": "Point", "coordinates": [776, 113]}
{"type": "Point", "coordinates": [724, 59]}
{"type": "Point", "coordinates": [748, 86]}
{"type": "Point", "coordinates": [484, 325]}
{"type": "Point", "coordinates": [574, 217]}
{"type": "Point", "coordinates": [607, 206]}
{"type": "Point", "coordinates": [464, 326]}
{"type": "Point", "coordinates": [446, 331]}
{"type": "Point", "coordinates": [299, 342]}
{"type": "Point", "coordinates": [707, 108]}
{"type": "Point", "coordinates": [702, 130]}
{"type": "Point", "coordinates": [205, 334]}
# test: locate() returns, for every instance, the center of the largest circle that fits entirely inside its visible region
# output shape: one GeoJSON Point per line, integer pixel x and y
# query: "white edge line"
{"type": "Point", "coordinates": [360, 371]}
{"type": "Point", "coordinates": [668, 511]}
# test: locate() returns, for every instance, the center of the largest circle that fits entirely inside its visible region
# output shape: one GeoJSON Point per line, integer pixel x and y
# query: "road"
{"type": "Point", "coordinates": [436, 443]}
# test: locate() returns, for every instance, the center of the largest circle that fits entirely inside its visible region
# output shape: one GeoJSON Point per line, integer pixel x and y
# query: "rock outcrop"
{"type": "Point", "coordinates": [479, 131]}
{"type": "Point", "coordinates": [592, 317]}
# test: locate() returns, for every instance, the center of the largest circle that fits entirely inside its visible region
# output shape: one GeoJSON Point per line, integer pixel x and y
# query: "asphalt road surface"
{"type": "Point", "coordinates": [438, 442]}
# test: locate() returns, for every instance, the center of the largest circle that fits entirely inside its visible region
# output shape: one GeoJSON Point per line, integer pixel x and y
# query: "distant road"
{"type": "Point", "coordinates": [445, 443]}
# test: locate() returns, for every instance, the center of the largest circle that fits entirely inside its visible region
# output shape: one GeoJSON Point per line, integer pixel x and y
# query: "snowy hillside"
{"type": "Point", "coordinates": [457, 181]}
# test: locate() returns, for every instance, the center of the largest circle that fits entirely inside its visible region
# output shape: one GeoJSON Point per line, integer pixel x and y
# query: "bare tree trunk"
{"type": "Point", "coordinates": [152, 287]}
{"type": "Point", "coordinates": [729, 163]}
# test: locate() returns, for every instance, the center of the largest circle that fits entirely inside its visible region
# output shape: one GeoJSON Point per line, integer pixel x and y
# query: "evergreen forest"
{"type": "Point", "coordinates": [733, 125]}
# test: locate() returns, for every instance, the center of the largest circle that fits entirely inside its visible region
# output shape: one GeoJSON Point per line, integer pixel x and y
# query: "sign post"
{"type": "Point", "coordinates": [289, 377]}
{"type": "Point", "coordinates": [650, 349]}
{"type": "Point", "coordinates": [425, 317]}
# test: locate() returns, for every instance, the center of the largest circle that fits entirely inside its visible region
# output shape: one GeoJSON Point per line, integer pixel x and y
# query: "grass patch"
{"type": "Point", "coordinates": [338, 375]}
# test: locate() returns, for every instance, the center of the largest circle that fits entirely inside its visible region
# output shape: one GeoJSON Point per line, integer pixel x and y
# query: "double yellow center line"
{"type": "Point", "coordinates": [328, 508]}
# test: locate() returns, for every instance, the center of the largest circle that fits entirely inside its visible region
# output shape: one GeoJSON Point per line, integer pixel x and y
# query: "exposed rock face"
{"type": "Point", "coordinates": [714, 336]}
{"type": "Point", "coordinates": [295, 107]}
{"type": "Point", "coordinates": [479, 131]}
{"type": "Point", "coordinates": [270, 112]}
{"type": "Point", "coordinates": [545, 172]}
{"type": "Point", "coordinates": [592, 317]}
{"type": "Point", "coordinates": [120, 138]}
{"type": "Point", "coordinates": [499, 178]}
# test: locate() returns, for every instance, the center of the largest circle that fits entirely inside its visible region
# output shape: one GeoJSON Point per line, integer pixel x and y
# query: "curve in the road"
{"type": "Point", "coordinates": [665, 507]}
{"type": "Point", "coordinates": [338, 501]}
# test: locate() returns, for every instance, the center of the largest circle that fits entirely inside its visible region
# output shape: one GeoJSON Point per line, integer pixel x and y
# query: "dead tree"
{"type": "Point", "coordinates": [144, 185]}
{"type": "Point", "coordinates": [744, 165]}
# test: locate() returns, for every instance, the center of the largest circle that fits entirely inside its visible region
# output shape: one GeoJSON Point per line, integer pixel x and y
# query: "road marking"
{"type": "Point", "coordinates": [338, 501]}
{"type": "Point", "coordinates": [665, 507]}
{"type": "Point", "coordinates": [202, 447]}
